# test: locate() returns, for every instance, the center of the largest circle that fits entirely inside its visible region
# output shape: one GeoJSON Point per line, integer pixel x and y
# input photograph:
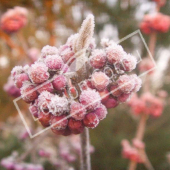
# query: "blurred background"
{"type": "Point", "coordinates": [52, 22]}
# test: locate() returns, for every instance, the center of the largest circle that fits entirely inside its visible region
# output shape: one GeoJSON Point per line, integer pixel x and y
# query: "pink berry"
{"type": "Point", "coordinates": [126, 83]}
{"type": "Point", "coordinates": [44, 119]}
{"type": "Point", "coordinates": [138, 82]}
{"type": "Point", "coordinates": [77, 111]}
{"type": "Point", "coordinates": [16, 71]}
{"type": "Point", "coordinates": [59, 105]}
{"type": "Point", "coordinates": [59, 122]}
{"type": "Point", "coordinates": [45, 87]}
{"type": "Point", "coordinates": [129, 63]}
{"type": "Point", "coordinates": [101, 112]}
{"type": "Point", "coordinates": [28, 92]}
{"type": "Point", "coordinates": [115, 53]}
{"type": "Point", "coordinates": [124, 97]}
{"type": "Point", "coordinates": [49, 50]}
{"type": "Point", "coordinates": [115, 91]}
{"type": "Point", "coordinates": [20, 79]}
{"type": "Point", "coordinates": [66, 53]}
{"type": "Point", "coordinates": [33, 108]}
{"type": "Point", "coordinates": [59, 82]}
{"type": "Point", "coordinates": [104, 95]}
{"type": "Point", "coordinates": [111, 103]}
{"type": "Point", "coordinates": [44, 100]}
{"type": "Point", "coordinates": [91, 120]}
{"type": "Point", "coordinates": [155, 22]}
{"type": "Point", "coordinates": [11, 89]}
{"type": "Point", "coordinates": [138, 143]}
{"type": "Point", "coordinates": [90, 99]}
{"type": "Point", "coordinates": [54, 62]}
{"type": "Point", "coordinates": [100, 80]}
{"type": "Point", "coordinates": [98, 59]}
{"type": "Point", "coordinates": [38, 73]}
{"type": "Point", "coordinates": [75, 126]}
{"type": "Point", "coordinates": [14, 19]}
{"type": "Point", "coordinates": [65, 132]}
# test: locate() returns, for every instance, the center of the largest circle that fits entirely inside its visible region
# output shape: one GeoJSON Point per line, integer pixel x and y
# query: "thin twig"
{"type": "Point", "coordinates": [85, 153]}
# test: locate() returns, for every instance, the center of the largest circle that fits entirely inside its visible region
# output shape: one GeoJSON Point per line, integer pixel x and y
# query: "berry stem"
{"type": "Point", "coordinates": [147, 163]}
{"type": "Point", "coordinates": [142, 122]}
{"type": "Point", "coordinates": [141, 127]}
{"type": "Point", "coordinates": [132, 165]}
{"type": "Point", "coordinates": [152, 43]}
{"type": "Point", "coordinates": [139, 135]}
{"type": "Point", "coordinates": [85, 152]}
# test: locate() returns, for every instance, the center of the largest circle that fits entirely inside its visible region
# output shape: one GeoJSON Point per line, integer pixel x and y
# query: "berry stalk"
{"type": "Point", "coordinates": [85, 154]}
{"type": "Point", "coordinates": [142, 122]}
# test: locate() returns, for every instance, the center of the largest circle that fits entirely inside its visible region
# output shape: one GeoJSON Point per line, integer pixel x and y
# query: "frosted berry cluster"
{"type": "Point", "coordinates": [14, 19]}
{"type": "Point", "coordinates": [155, 22]}
{"type": "Point", "coordinates": [132, 152]}
{"type": "Point", "coordinates": [146, 104]}
{"type": "Point", "coordinates": [68, 104]}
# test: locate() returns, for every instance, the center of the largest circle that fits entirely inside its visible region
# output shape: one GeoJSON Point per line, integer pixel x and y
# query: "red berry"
{"type": "Point", "coordinates": [59, 122]}
{"type": "Point", "coordinates": [98, 59]}
{"type": "Point", "coordinates": [54, 62]}
{"type": "Point", "coordinates": [90, 99]}
{"type": "Point", "coordinates": [59, 105]}
{"type": "Point", "coordinates": [33, 108]}
{"type": "Point", "coordinates": [44, 100]}
{"type": "Point", "coordinates": [44, 119]}
{"type": "Point", "coordinates": [75, 126]}
{"type": "Point", "coordinates": [65, 132]}
{"type": "Point", "coordinates": [49, 50]}
{"type": "Point", "coordinates": [38, 73]}
{"type": "Point", "coordinates": [129, 63]}
{"type": "Point", "coordinates": [115, 91]}
{"type": "Point", "coordinates": [104, 95]}
{"type": "Point", "coordinates": [115, 53]}
{"type": "Point", "coordinates": [16, 71]}
{"type": "Point", "coordinates": [111, 103]}
{"type": "Point", "coordinates": [67, 54]}
{"type": "Point", "coordinates": [101, 112]}
{"type": "Point", "coordinates": [45, 87]}
{"type": "Point", "coordinates": [126, 83]}
{"type": "Point", "coordinates": [91, 120]}
{"type": "Point", "coordinates": [137, 81]}
{"type": "Point", "coordinates": [77, 111]}
{"type": "Point", "coordinates": [28, 92]}
{"type": "Point", "coordinates": [100, 80]}
{"type": "Point", "coordinates": [59, 82]}
{"type": "Point", "coordinates": [124, 97]}
{"type": "Point", "coordinates": [20, 79]}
